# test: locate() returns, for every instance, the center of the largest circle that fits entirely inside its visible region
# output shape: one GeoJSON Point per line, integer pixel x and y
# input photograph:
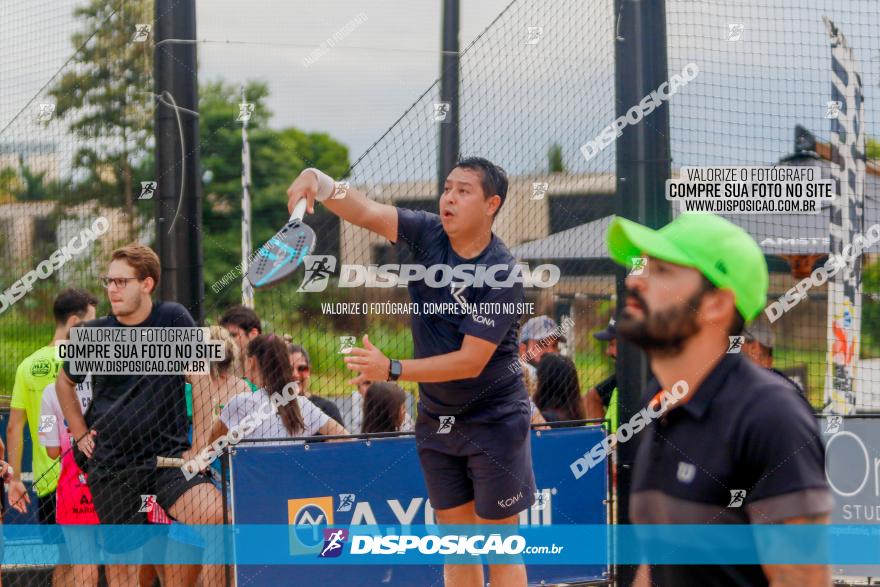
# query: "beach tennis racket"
{"type": "Point", "coordinates": [279, 258]}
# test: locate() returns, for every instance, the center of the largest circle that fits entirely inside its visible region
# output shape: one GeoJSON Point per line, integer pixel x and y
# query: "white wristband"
{"type": "Point", "coordinates": [326, 185]}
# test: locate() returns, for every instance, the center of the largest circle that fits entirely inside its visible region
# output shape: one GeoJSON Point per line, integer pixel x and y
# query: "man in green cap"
{"type": "Point", "coordinates": [740, 446]}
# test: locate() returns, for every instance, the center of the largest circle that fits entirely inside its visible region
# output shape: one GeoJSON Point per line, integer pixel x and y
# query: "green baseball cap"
{"type": "Point", "coordinates": [723, 252]}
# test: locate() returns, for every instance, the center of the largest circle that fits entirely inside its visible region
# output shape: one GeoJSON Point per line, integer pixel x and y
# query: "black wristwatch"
{"type": "Point", "coordinates": [394, 369]}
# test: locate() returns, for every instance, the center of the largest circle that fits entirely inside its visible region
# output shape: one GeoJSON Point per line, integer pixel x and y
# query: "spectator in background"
{"type": "Point", "coordinates": [73, 504]}
{"type": "Point", "coordinates": [212, 391]}
{"type": "Point", "coordinates": [244, 326]}
{"type": "Point", "coordinates": [384, 408]}
{"type": "Point", "coordinates": [355, 417]}
{"type": "Point", "coordinates": [600, 402]}
{"type": "Point", "coordinates": [539, 335]}
{"type": "Point", "coordinates": [267, 365]}
{"type": "Point", "coordinates": [559, 393]}
{"type": "Point", "coordinates": [302, 374]}
{"type": "Point", "coordinates": [71, 307]}
{"type": "Point", "coordinates": [758, 344]}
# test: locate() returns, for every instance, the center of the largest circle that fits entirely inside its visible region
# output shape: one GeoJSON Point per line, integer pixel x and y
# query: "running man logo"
{"type": "Point", "coordinates": [308, 517]}
{"type": "Point", "coordinates": [441, 109]}
{"type": "Point", "coordinates": [147, 503]}
{"type": "Point", "coordinates": [346, 343]}
{"type": "Point", "coordinates": [341, 190]}
{"type": "Point", "coordinates": [148, 188]}
{"type": "Point", "coordinates": [319, 268]}
{"type": "Point", "coordinates": [735, 31]}
{"type": "Point", "coordinates": [141, 32]}
{"type": "Point", "coordinates": [46, 112]}
{"type": "Point", "coordinates": [333, 541]}
{"type": "Point", "coordinates": [539, 188]}
{"type": "Point", "coordinates": [737, 497]}
{"type": "Point", "coordinates": [446, 423]}
{"type": "Point", "coordinates": [832, 109]}
{"type": "Point", "coordinates": [245, 109]}
{"type": "Point", "coordinates": [832, 424]}
{"type": "Point", "coordinates": [346, 500]}
{"type": "Point", "coordinates": [534, 34]}
{"type": "Point", "coordinates": [47, 423]}
{"type": "Point", "coordinates": [541, 500]}
{"type": "Point", "coordinates": [735, 344]}
{"type": "Point", "coordinates": [639, 264]}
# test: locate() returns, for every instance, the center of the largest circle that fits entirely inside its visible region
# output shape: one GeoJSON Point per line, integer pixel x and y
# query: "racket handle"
{"type": "Point", "coordinates": [169, 462]}
{"type": "Point", "coordinates": [299, 210]}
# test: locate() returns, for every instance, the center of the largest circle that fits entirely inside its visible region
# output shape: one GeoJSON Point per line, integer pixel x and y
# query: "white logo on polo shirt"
{"type": "Point", "coordinates": [686, 472]}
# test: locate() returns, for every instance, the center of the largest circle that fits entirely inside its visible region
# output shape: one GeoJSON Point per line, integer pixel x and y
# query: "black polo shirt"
{"type": "Point", "coordinates": [744, 428]}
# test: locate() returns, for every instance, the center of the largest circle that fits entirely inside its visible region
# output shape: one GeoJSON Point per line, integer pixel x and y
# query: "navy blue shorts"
{"type": "Point", "coordinates": [488, 461]}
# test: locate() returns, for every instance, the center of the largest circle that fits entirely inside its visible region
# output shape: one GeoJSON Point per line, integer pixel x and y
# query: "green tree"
{"type": "Point", "coordinates": [104, 99]}
{"type": "Point", "coordinates": [277, 157]}
{"type": "Point", "coordinates": [872, 149]}
{"type": "Point", "coordinates": [10, 185]}
{"type": "Point", "coordinates": [871, 309]}
{"type": "Point", "coordinates": [555, 164]}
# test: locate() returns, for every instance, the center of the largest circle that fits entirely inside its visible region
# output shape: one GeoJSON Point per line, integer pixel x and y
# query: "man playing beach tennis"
{"type": "Point", "coordinates": [473, 422]}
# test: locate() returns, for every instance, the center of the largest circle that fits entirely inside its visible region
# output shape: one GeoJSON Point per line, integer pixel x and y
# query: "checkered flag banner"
{"type": "Point", "coordinates": [848, 172]}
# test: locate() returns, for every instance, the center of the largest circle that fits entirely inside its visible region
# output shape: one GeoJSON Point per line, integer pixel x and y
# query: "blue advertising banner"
{"type": "Point", "coordinates": [376, 482]}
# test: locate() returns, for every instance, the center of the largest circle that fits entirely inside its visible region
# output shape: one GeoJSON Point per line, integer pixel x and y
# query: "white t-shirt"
{"type": "Point", "coordinates": [53, 427]}
{"type": "Point", "coordinates": [264, 417]}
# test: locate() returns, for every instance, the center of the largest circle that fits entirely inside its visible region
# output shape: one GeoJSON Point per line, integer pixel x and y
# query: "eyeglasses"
{"type": "Point", "coordinates": [302, 369]}
{"type": "Point", "coordinates": [119, 282]}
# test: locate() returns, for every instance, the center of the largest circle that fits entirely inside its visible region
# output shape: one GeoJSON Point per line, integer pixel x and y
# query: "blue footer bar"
{"type": "Point", "coordinates": [280, 544]}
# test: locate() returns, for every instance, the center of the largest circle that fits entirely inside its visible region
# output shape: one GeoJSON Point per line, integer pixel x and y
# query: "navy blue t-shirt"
{"type": "Point", "coordinates": [138, 417]}
{"type": "Point", "coordinates": [499, 386]}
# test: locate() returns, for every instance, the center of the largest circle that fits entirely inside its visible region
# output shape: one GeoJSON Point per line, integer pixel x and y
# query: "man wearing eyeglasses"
{"type": "Point", "coordinates": [135, 418]}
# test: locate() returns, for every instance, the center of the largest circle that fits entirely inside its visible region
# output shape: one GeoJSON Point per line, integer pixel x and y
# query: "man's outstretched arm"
{"type": "Point", "coordinates": [350, 205]}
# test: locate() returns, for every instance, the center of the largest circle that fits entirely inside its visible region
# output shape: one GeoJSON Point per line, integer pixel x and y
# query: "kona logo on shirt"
{"type": "Point", "coordinates": [506, 503]}
{"type": "Point", "coordinates": [483, 320]}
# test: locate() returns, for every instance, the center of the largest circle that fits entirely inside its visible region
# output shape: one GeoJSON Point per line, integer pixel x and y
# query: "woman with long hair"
{"type": "Point", "coordinates": [384, 408]}
{"type": "Point", "coordinates": [212, 391]}
{"type": "Point", "coordinates": [275, 410]}
{"type": "Point", "coordinates": [558, 393]}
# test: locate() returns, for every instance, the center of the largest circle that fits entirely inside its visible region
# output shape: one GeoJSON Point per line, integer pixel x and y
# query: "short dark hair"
{"type": "Point", "coordinates": [72, 302]}
{"type": "Point", "coordinates": [494, 178]}
{"type": "Point", "coordinates": [241, 316]}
